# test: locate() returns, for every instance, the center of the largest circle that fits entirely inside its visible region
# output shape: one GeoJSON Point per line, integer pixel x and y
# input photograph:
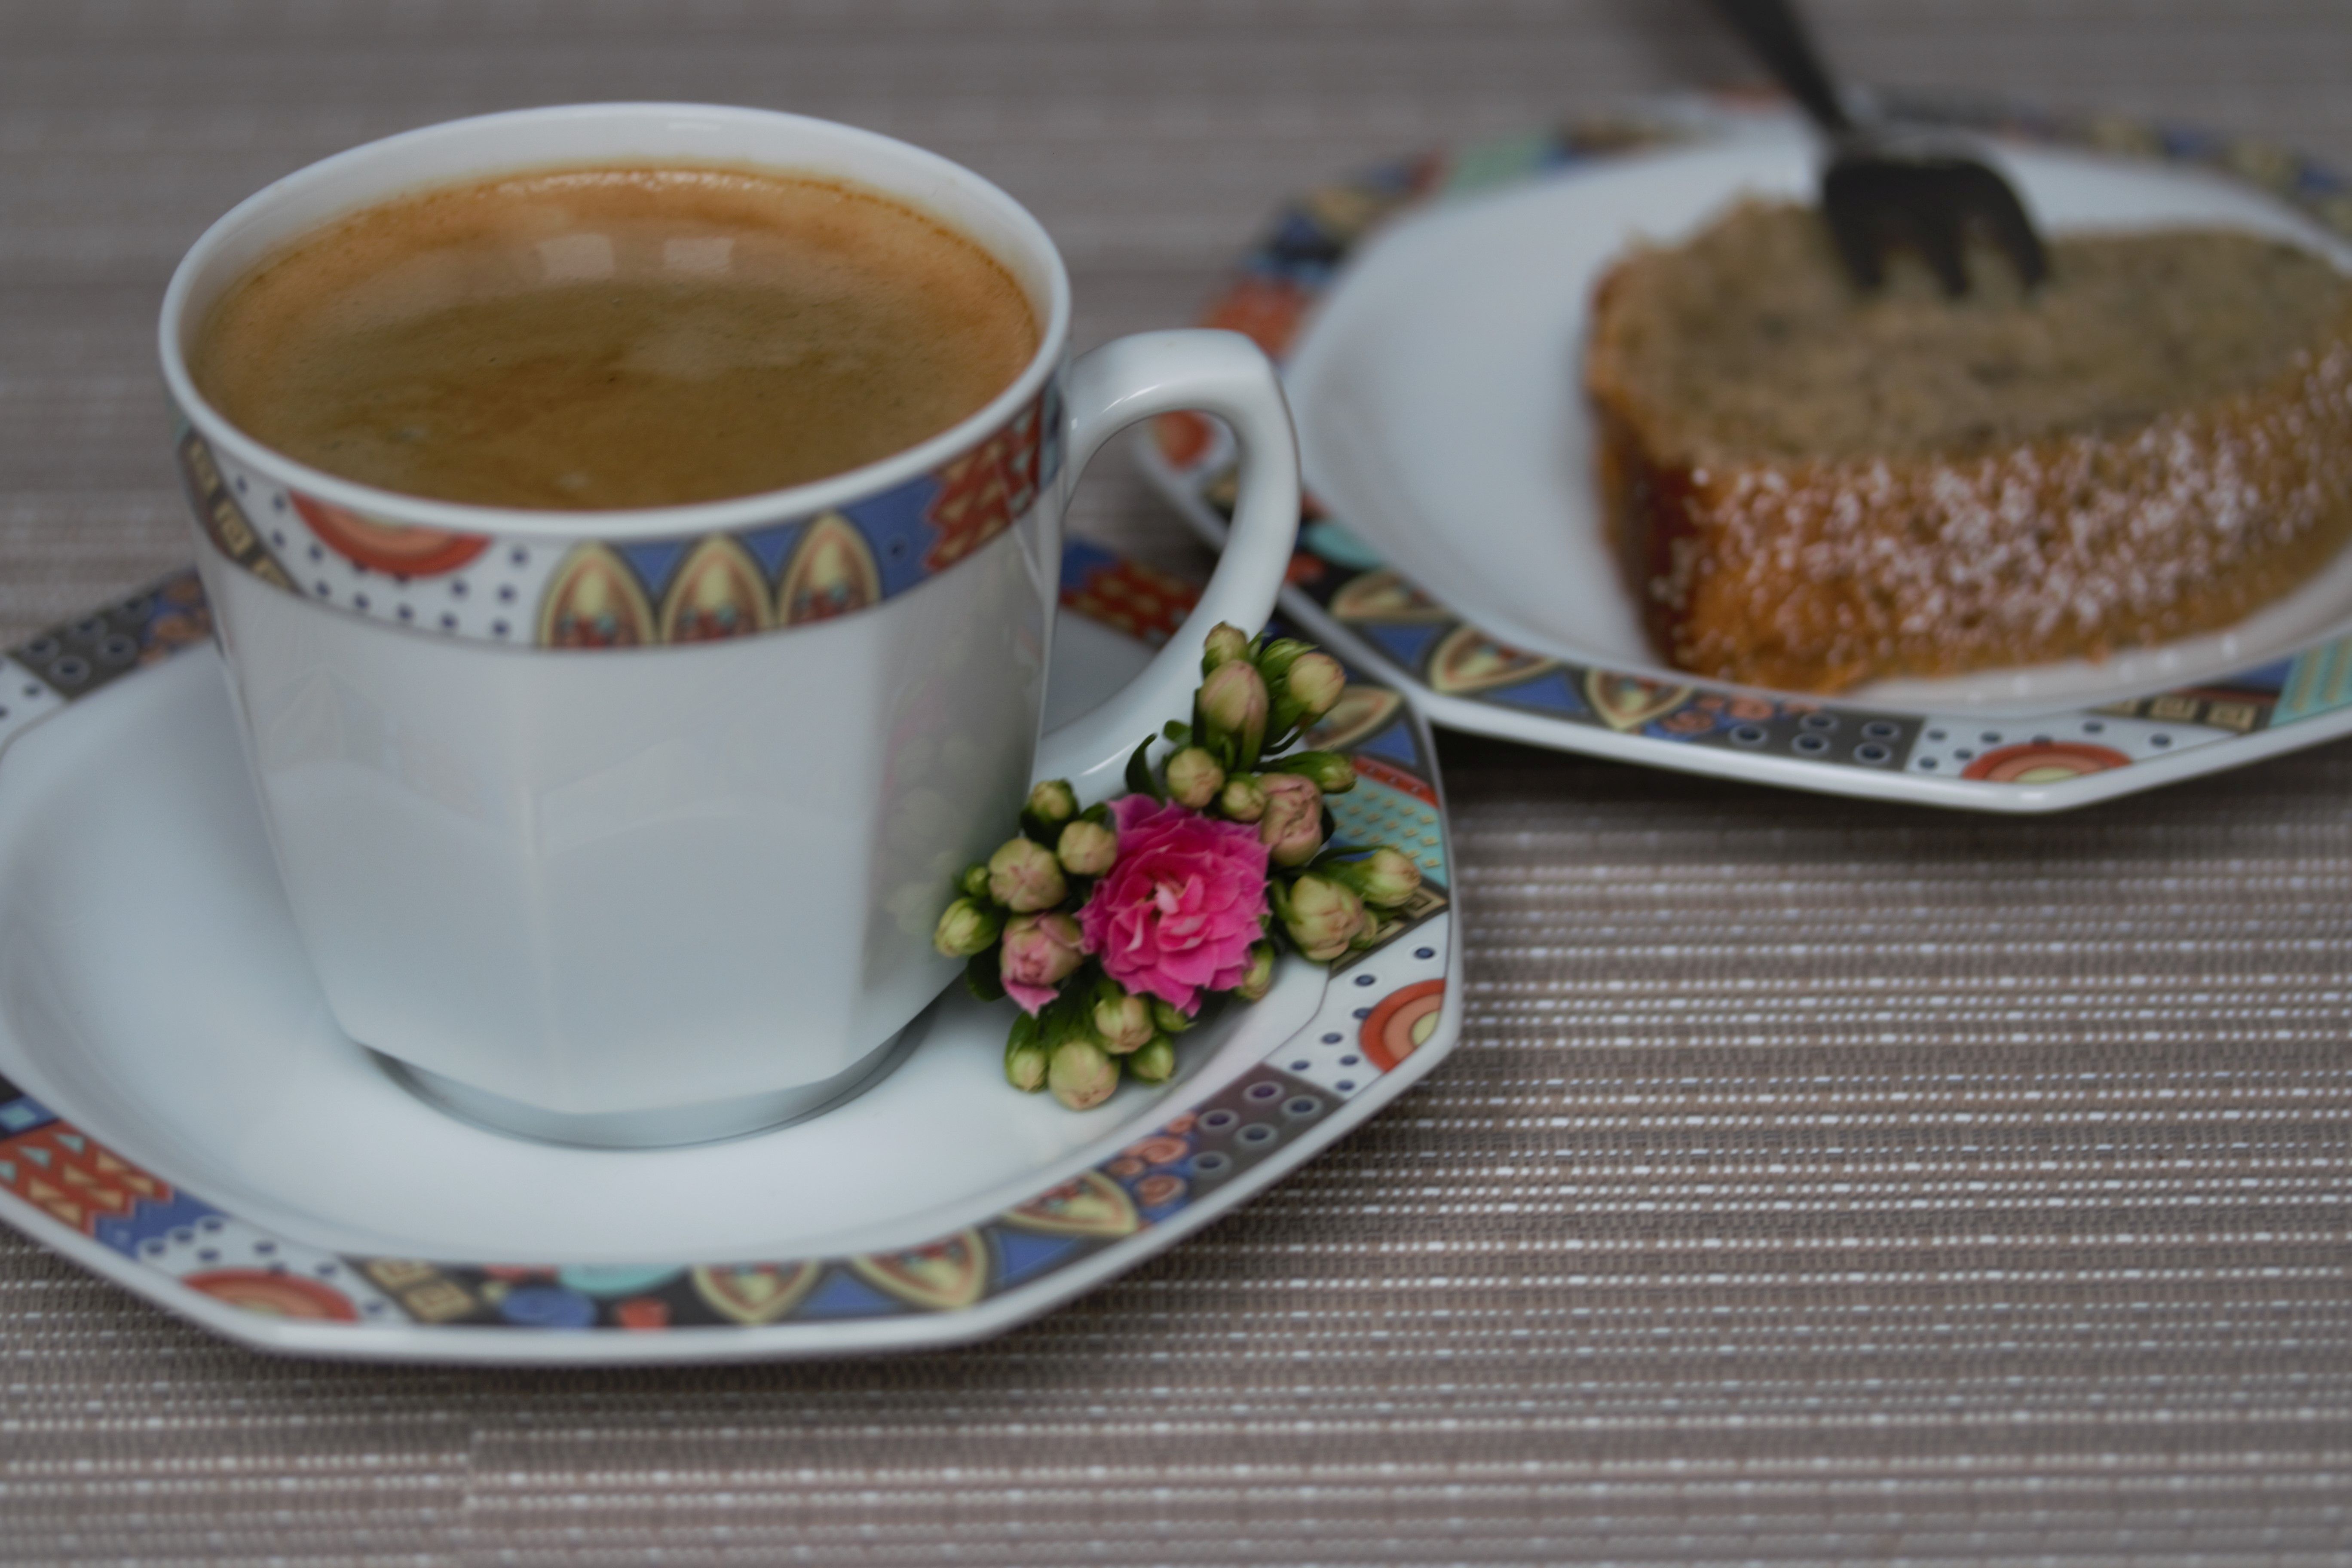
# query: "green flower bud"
{"type": "Point", "coordinates": [1155, 1061]}
{"type": "Point", "coordinates": [1275, 659]}
{"type": "Point", "coordinates": [974, 883]}
{"type": "Point", "coordinates": [1086, 848]}
{"type": "Point", "coordinates": [1121, 1020]}
{"type": "Point", "coordinates": [1024, 1055]}
{"type": "Point", "coordinates": [1327, 771]}
{"type": "Point", "coordinates": [1233, 707]}
{"type": "Point", "coordinates": [1022, 876]}
{"type": "Point", "coordinates": [1321, 916]}
{"type": "Point", "coordinates": [1054, 802]}
{"type": "Point", "coordinates": [1168, 1018]}
{"type": "Point", "coordinates": [1242, 799]}
{"type": "Point", "coordinates": [965, 929]}
{"type": "Point", "coordinates": [1225, 644]}
{"type": "Point", "coordinates": [1386, 878]}
{"type": "Point", "coordinates": [1314, 683]}
{"type": "Point", "coordinates": [1081, 1074]}
{"type": "Point", "coordinates": [1025, 1066]}
{"type": "Point", "coordinates": [1260, 978]}
{"type": "Point", "coordinates": [1194, 778]}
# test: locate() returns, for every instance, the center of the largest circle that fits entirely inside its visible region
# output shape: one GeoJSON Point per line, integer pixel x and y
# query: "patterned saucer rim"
{"type": "Point", "coordinates": [1365, 1045]}
{"type": "Point", "coordinates": [1466, 679]}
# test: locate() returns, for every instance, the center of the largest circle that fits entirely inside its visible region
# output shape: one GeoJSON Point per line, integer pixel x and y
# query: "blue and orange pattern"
{"type": "Point", "coordinates": [592, 592]}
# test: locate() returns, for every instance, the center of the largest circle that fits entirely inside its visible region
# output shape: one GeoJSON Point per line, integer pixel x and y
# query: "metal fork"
{"type": "Point", "coordinates": [1879, 195]}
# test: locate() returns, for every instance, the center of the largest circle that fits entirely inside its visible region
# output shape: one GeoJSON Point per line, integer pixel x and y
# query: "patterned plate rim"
{"type": "Point", "coordinates": [1366, 1044]}
{"type": "Point", "coordinates": [1462, 676]}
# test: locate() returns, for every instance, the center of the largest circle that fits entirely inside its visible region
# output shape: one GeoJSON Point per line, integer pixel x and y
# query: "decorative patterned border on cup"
{"type": "Point", "coordinates": [1378, 1028]}
{"type": "Point", "coordinates": [596, 593]}
{"type": "Point", "coordinates": [1354, 599]}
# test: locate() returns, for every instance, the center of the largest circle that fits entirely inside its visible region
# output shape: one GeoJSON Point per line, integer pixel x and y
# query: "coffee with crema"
{"type": "Point", "coordinates": [588, 338]}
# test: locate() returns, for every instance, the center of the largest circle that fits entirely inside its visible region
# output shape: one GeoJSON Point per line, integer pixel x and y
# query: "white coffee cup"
{"type": "Point", "coordinates": [630, 827]}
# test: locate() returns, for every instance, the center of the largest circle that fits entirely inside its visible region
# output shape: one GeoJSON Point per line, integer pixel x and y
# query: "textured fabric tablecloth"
{"type": "Point", "coordinates": [1814, 1179]}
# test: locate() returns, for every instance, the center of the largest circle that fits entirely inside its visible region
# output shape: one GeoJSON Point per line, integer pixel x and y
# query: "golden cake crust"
{"type": "Point", "coordinates": [1818, 573]}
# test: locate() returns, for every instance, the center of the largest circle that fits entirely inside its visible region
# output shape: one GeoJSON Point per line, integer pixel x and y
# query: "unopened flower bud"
{"type": "Point", "coordinates": [1275, 659]}
{"type": "Point", "coordinates": [1327, 771]}
{"type": "Point", "coordinates": [1233, 706]}
{"type": "Point", "coordinates": [1024, 1055]}
{"type": "Point", "coordinates": [1292, 827]}
{"type": "Point", "coordinates": [1025, 1066]}
{"type": "Point", "coordinates": [1386, 878]}
{"type": "Point", "coordinates": [1321, 916]}
{"type": "Point", "coordinates": [1260, 978]}
{"type": "Point", "coordinates": [1081, 1074]}
{"type": "Point", "coordinates": [965, 929]}
{"type": "Point", "coordinates": [1040, 952]}
{"type": "Point", "coordinates": [974, 883]}
{"type": "Point", "coordinates": [1122, 1022]}
{"type": "Point", "coordinates": [1225, 644]}
{"type": "Point", "coordinates": [1155, 1061]}
{"type": "Point", "coordinates": [1053, 802]}
{"type": "Point", "coordinates": [1022, 876]}
{"type": "Point", "coordinates": [1086, 848]}
{"type": "Point", "coordinates": [1168, 1018]}
{"type": "Point", "coordinates": [1314, 682]}
{"type": "Point", "coordinates": [1194, 778]}
{"type": "Point", "coordinates": [1242, 799]}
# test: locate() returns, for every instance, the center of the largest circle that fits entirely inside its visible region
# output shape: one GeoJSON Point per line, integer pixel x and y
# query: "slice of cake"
{"type": "Point", "coordinates": [1812, 487]}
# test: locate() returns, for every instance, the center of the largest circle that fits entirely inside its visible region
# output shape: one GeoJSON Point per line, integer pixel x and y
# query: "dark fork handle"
{"type": "Point", "coordinates": [1774, 31]}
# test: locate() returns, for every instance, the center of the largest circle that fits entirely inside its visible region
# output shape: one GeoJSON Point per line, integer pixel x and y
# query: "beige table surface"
{"type": "Point", "coordinates": [1814, 1179]}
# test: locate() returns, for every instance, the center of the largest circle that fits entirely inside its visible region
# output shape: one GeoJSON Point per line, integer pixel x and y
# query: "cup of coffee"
{"type": "Point", "coordinates": [634, 534]}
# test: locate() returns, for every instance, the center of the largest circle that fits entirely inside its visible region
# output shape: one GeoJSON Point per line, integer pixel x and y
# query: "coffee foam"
{"type": "Point", "coordinates": [583, 339]}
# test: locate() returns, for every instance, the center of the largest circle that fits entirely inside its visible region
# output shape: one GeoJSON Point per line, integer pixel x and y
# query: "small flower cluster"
{"type": "Point", "coordinates": [1112, 926]}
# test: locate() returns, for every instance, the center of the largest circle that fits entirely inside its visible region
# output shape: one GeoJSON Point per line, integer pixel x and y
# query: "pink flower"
{"type": "Point", "coordinates": [1040, 952]}
{"type": "Point", "coordinates": [1178, 911]}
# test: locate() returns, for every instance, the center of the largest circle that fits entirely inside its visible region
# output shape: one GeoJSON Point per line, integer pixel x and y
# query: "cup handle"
{"type": "Point", "coordinates": [1133, 378]}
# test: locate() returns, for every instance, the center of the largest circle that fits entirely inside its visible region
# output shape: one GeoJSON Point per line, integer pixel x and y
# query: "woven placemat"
{"type": "Point", "coordinates": [1815, 1179]}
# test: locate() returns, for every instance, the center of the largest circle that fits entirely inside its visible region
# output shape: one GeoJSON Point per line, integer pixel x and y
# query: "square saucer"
{"type": "Point", "coordinates": [179, 1113]}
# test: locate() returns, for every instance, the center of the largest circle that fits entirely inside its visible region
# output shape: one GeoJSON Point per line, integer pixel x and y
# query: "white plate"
{"type": "Point", "coordinates": [1444, 430]}
{"type": "Point", "coordinates": [177, 1110]}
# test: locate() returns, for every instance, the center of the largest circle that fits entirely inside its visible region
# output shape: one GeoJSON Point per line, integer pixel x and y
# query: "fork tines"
{"type": "Point", "coordinates": [1876, 203]}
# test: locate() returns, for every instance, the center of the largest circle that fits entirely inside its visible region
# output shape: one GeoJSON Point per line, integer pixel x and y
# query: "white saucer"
{"type": "Point", "coordinates": [1431, 316]}
{"type": "Point", "coordinates": [181, 1114]}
